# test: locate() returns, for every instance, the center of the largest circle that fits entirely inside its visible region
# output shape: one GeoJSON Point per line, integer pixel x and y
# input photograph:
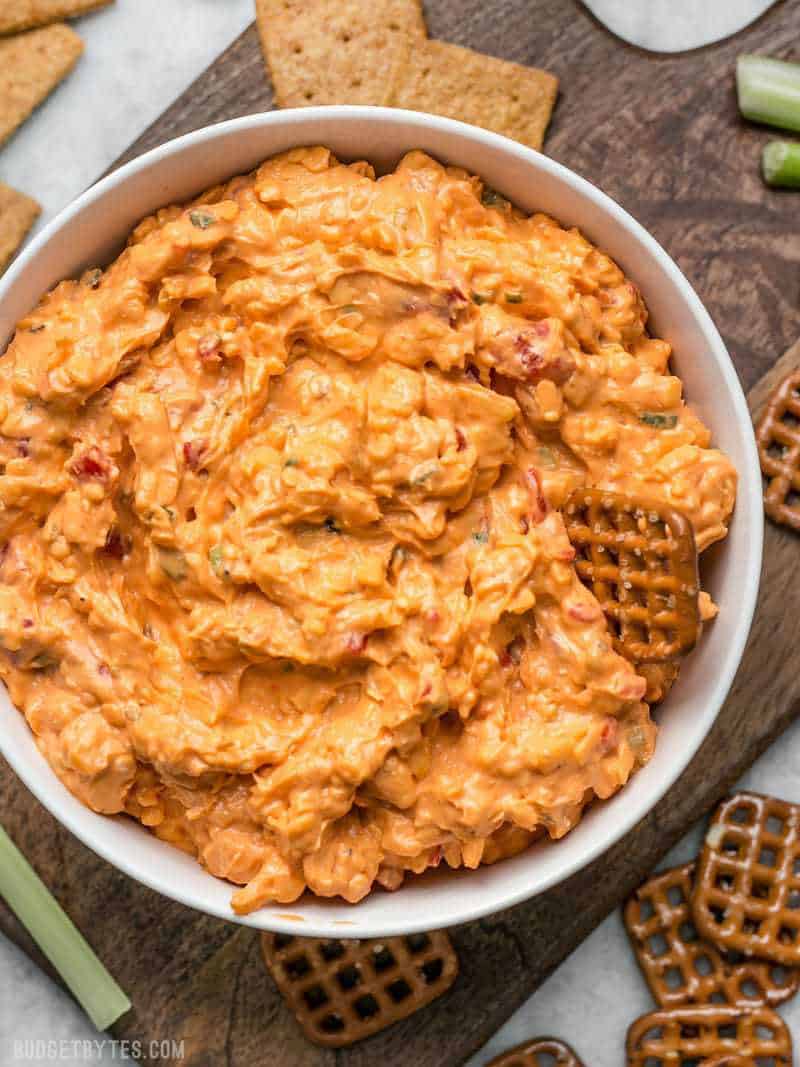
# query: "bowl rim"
{"type": "Point", "coordinates": [264, 918]}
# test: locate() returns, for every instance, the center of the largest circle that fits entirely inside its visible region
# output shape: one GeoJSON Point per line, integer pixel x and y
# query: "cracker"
{"type": "Point", "coordinates": [682, 968]}
{"type": "Point", "coordinates": [18, 213]}
{"type": "Point", "coordinates": [510, 99]}
{"type": "Point", "coordinates": [747, 888]}
{"type": "Point", "coordinates": [31, 66]}
{"type": "Point", "coordinates": [16, 15]}
{"type": "Point", "coordinates": [639, 559]}
{"type": "Point", "coordinates": [337, 51]}
{"type": "Point", "coordinates": [538, 1052]}
{"type": "Point", "coordinates": [343, 991]}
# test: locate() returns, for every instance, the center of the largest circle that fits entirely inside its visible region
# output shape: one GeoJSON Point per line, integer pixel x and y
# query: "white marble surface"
{"type": "Point", "coordinates": [140, 54]}
{"type": "Point", "coordinates": [676, 25]}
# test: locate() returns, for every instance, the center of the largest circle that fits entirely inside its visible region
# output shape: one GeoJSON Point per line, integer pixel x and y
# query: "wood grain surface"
{"type": "Point", "coordinates": [662, 136]}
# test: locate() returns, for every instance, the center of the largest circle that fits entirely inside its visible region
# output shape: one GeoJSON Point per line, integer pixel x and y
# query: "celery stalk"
{"type": "Point", "coordinates": [769, 91]}
{"type": "Point", "coordinates": [84, 974]}
{"type": "Point", "coordinates": [780, 163]}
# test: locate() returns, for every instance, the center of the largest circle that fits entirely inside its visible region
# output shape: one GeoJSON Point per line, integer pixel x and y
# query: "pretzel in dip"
{"type": "Point", "coordinates": [284, 573]}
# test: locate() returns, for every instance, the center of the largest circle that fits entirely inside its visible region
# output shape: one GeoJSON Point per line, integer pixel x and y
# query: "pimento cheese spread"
{"type": "Point", "coordinates": [284, 575]}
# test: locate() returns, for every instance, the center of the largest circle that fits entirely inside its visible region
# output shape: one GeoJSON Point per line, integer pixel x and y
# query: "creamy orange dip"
{"type": "Point", "coordinates": [284, 575]}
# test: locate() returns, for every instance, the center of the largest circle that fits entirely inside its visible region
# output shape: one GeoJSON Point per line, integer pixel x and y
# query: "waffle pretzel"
{"type": "Point", "coordinates": [640, 560]}
{"type": "Point", "coordinates": [539, 1052]}
{"type": "Point", "coordinates": [778, 439]}
{"type": "Point", "coordinates": [733, 1060]}
{"type": "Point", "coordinates": [747, 887]}
{"type": "Point", "coordinates": [682, 968]}
{"type": "Point", "coordinates": [672, 1037]}
{"type": "Point", "coordinates": [343, 991]}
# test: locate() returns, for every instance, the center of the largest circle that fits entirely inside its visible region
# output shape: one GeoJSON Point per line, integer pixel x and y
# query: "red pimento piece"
{"type": "Point", "coordinates": [536, 493]}
{"type": "Point", "coordinates": [27, 624]}
{"type": "Point", "coordinates": [355, 643]}
{"type": "Point", "coordinates": [609, 736]}
{"type": "Point", "coordinates": [209, 348]}
{"type": "Point", "coordinates": [457, 302]}
{"type": "Point", "coordinates": [93, 464]}
{"type": "Point", "coordinates": [583, 612]}
{"type": "Point", "coordinates": [531, 353]}
{"type": "Point", "coordinates": [193, 452]}
{"type": "Point", "coordinates": [530, 361]}
{"type": "Point", "coordinates": [537, 365]}
{"type": "Point", "coordinates": [461, 441]}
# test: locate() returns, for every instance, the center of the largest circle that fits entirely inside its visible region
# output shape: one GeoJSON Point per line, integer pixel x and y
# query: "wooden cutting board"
{"type": "Point", "coordinates": [662, 136]}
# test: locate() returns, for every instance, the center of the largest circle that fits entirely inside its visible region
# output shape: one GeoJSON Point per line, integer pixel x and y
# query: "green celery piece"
{"type": "Point", "coordinates": [780, 164]}
{"type": "Point", "coordinates": [28, 897]}
{"type": "Point", "coordinates": [769, 91]}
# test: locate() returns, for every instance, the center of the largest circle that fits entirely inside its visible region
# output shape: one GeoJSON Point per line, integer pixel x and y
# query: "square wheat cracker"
{"type": "Point", "coordinates": [31, 66]}
{"type": "Point", "coordinates": [16, 15]}
{"type": "Point", "coordinates": [18, 213]}
{"type": "Point", "coordinates": [337, 51]}
{"type": "Point", "coordinates": [458, 83]}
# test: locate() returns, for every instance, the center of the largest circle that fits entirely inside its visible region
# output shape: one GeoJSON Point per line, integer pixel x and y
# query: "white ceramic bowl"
{"type": "Point", "coordinates": [92, 230]}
